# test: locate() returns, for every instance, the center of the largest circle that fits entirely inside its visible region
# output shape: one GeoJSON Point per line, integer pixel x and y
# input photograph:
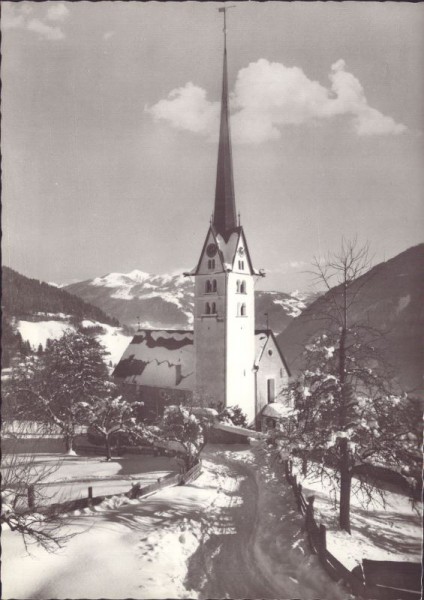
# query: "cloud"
{"type": "Point", "coordinates": [108, 34]}
{"type": "Point", "coordinates": [268, 96]}
{"type": "Point", "coordinates": [11, 17]}
{"type": "Point", "coordinates": [187, 108]}
{"type": "Point", "coordinates": [57, 12]}
{"type": "Point", "coordinates": [286, 267]}
{"type": "Point", "coordinates": [46, 31]}
{"type": "Point", "coordinates": [18, 17]}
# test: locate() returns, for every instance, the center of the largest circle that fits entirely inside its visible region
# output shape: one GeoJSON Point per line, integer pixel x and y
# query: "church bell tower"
{"type": "Point", "coordinates": [224, 297]}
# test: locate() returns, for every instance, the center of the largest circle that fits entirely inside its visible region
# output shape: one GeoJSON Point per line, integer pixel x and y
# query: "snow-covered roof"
{"type": "Point", "coordinates": [262, 338]}
{"type": "Point", "coordinates": [277, 410]}
{"type": "Point", "coordinates": [159, 358]}
{"type": "Point", "coordinates": [165, 358]}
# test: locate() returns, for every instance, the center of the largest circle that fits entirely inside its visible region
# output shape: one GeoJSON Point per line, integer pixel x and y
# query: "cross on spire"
{"type": "Point", "coordinates": [225, 216]}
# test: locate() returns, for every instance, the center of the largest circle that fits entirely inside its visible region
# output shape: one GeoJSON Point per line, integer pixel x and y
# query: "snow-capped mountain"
{"type": "Point", "coordinates": [151, 300]}
{"type": "Point", "coordinates": [167, 300]}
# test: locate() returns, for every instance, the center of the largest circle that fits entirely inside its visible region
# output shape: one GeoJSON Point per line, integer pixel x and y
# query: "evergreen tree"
{"type": "Point", "coordinates": [58, 387]}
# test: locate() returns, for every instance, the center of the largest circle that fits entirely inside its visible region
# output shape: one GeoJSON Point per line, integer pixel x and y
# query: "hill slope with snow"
{"type": "Point", "coordinates": [34, 311]}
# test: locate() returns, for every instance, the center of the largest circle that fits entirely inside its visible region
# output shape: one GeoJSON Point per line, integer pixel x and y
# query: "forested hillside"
{"type": "Point", "coordinates": [22, 297]}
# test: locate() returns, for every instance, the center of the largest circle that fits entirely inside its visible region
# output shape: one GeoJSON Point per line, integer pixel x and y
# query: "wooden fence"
{"type": "Point", "coordinates": [136, 491]}
{"type": "Point", "coordinates": [371, 581]}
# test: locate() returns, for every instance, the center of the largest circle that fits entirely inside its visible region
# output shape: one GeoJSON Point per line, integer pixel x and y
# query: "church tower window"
{"type": "Point", "coordinates": [207, 308]}
{"type": "Point", "coordinates": [243, 310]}
{"type": "Point", "coordinates": [208, 287]}
{"type": "Point", "coordinates": [243, 287]}
{"type": "Point", "coordinates": [213, 285]}
{"type": "Point", "coordinates": [241, 265]}
{"type": "Point", "coordinates": [211, 263]}
{"type": "Point", "coordinates": [238, 286]}
{"type": "Point", "coordinates": [213, 309]}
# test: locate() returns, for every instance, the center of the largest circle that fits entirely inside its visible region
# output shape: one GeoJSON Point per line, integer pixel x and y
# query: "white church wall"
{"type": "Point", "coordinates": [241, 345]}
{"type": "Point", "coordinates": [271, 367]}
{"type": "Point", "coordinates": [209, 339]}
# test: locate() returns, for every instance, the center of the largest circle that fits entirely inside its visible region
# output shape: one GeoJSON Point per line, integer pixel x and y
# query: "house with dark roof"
{"type": "Point", "coordinates": [223, 362]}
{"type": "Point", "coordinates": [158, 367]}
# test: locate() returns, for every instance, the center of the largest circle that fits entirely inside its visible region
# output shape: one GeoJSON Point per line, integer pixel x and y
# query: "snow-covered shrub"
{"type": "Point", "coordinates": [233, 415]}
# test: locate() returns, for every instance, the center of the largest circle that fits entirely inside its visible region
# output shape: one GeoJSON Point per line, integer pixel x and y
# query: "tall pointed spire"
{"type": "Point", "coordinates": [225, 216]}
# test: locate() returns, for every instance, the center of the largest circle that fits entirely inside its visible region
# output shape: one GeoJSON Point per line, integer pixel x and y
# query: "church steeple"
{"type": "Point", "coordinates": [225, 216]}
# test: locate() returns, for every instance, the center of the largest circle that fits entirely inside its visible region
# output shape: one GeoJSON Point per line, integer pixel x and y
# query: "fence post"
{"type": "Point", "coordinates": [31, 496]}
{"type": "Point", "coordinates": [90, 495]}
{"type": "Point", "coordinates": [299, 497]}
{"type": "Point", "coordinates": [322, 538]}
{"type": "Point", "coordinates": [310, 509]}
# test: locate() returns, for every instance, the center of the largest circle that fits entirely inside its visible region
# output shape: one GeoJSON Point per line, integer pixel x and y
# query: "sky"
{"type": "Point", "coordinates": [110, 121]}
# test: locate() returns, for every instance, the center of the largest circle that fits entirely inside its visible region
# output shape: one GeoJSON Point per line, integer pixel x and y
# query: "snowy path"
{"type": "Point", "coordinates": [227, 535]}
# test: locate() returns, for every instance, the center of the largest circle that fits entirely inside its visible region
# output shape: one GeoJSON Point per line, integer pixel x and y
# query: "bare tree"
{"type": "Point", "coordinates": [111, 415]}
{"type": "Point", "coordinates": [24, 500]}
{"type": "Point", "coordinates": [350, 412]}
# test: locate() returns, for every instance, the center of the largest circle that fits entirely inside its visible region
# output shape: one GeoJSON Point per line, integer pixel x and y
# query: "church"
{"type": "Point", "coordinates": [224, 361]}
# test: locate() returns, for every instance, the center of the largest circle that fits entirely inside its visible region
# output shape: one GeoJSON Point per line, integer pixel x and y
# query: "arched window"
{"type": "Point", "coordinates": [213, 285]}
{"type": "Point", "coordinates": [207, 308]}
{"type": "Point", "coordinates": [243, 287]}
{"type": "Point", "coordinates": [208, 286]}
{"type": "Point", "coordinates": [243, 310]}
{"type": "Point", "coordinates": [238, 286]}
{"type": "Point", "coordinates": [213, 309]}
{"type": "Point", "coordinates": [211, 263]}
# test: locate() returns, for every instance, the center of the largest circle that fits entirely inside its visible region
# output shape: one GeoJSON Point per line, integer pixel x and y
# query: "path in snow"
{"type": "Point", "coordinates": [226, 535]}
{"type": "Point", "coordinates": [253, 545]}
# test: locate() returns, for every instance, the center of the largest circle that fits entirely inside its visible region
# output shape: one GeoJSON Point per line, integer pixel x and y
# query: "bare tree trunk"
{"type": "Point", "coordinates": [108, 448]}
{"type": "Point", "coordinates": [304, 464]}
{"type": "Point", "coordinates": [345, 486]}
{"type": "Point", "coordinates": [69, 443]}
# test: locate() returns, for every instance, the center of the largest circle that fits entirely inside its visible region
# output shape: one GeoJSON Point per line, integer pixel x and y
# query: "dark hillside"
{"type": "Point", "coordinates": [391, 299]}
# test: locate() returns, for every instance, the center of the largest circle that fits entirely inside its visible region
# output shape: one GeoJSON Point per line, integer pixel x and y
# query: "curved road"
{"type": "Point", "coordinates": [226, 563]}
{"type": "Point", "coordinates": [223, 565]}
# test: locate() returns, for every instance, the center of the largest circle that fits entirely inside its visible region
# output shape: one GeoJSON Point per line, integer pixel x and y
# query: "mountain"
{"type": "Point", "coordinates": [156, 300]}
{"type": "Point", "coordinates": [166, 301]}
{"type": "Point", "coordinates": [278, 309]}
{"type": "Point", "coordinates": [34, 311]}
{"type": "Point", "coordinates": [390, 299]}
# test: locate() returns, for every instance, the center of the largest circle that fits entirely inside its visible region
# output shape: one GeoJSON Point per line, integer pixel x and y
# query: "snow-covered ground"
{"type": "Point", "coordinates": [38, 332]}
{"type": "Point", "coordinates": [389, 530]}
{"type": "Point", "coordinates": [225, 535]}
{"type": "Point", "coordinates": [112, 338]}
{"type": "Point", "coordinates": [68, 477]}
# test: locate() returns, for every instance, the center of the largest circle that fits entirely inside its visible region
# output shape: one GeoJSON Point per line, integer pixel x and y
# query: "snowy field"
{"type": "Point", "coordinates": [226, 535]}
{"type": "Point", "coordinates": [389, 529]}
{"type": "Point", "coordinates": [70, 476]}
